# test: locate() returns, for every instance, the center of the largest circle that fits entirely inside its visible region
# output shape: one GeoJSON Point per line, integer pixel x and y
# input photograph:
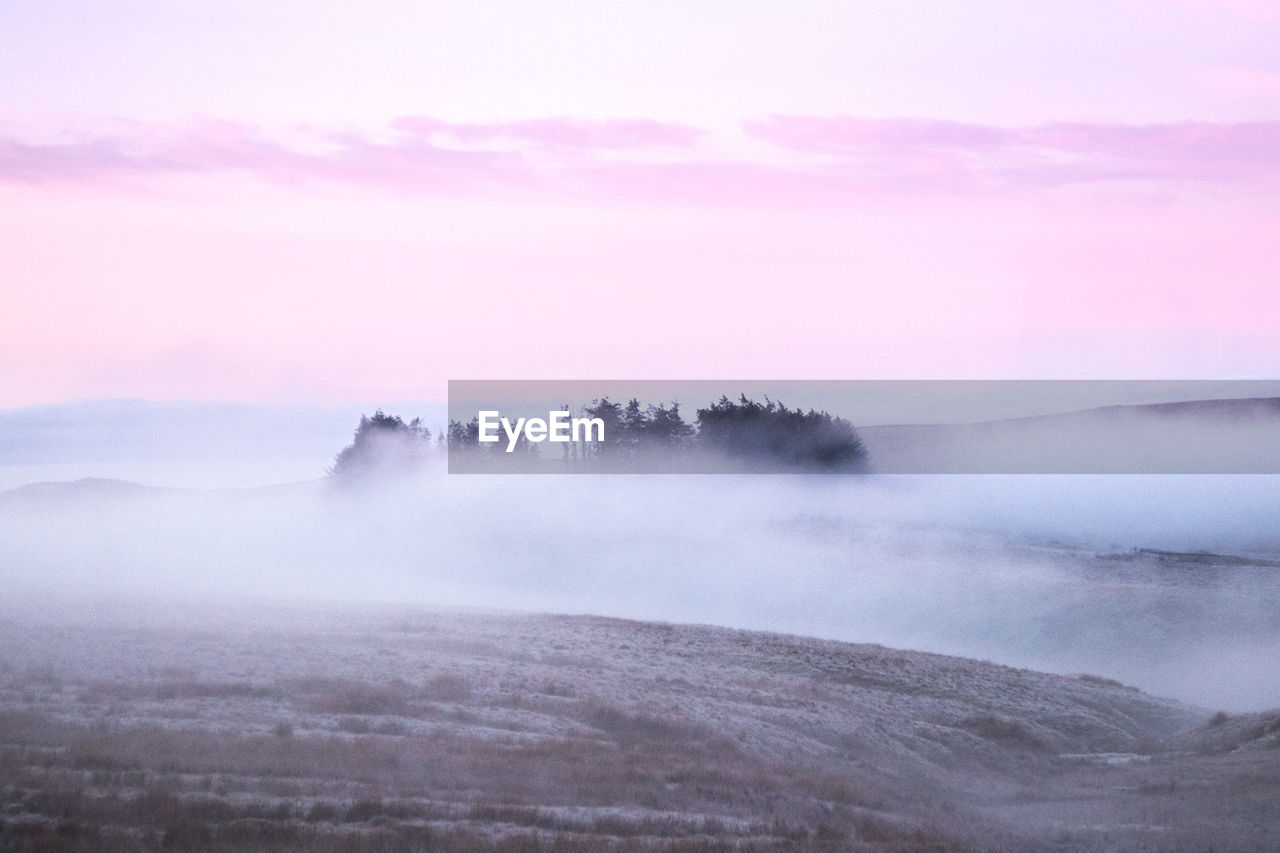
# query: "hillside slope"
{"type": "Point", "coordinates": [381, 729]}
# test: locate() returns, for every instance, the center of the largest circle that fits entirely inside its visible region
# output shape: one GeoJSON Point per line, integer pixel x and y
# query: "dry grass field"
{"type": "Point", "coordinates": [268, 728]}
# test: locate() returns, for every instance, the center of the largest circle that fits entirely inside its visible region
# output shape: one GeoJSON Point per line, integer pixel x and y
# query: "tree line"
{"type": "Point", "coordinates": [728, 435]}
{"type": "Point", "coordinates": [744, 435]}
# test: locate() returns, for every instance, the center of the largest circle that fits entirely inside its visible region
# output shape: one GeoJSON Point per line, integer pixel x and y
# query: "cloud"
{"type": "Point", "coordinates": [777, 160]}
{"type": "Point", "coordinates": [208, 146]}
{"type": "Point", "coordinates": [559, 133]}
{"type": "Point", "coordinates": [958, 155]}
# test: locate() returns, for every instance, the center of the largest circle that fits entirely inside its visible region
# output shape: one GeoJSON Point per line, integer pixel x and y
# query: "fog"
{"type": "Point", "coordinates": [1029, 571]}
{"type": "Point", "coordinates": [205, 445]}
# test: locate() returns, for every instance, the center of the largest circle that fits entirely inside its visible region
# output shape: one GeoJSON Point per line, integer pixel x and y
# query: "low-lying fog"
{"type": "Point", "coordinates": [1033, 571]}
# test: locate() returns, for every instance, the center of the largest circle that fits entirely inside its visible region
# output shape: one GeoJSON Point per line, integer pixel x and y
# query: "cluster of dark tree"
{"type": "Point", "coordinates": [631, 431]}
{"type": "Point", "coordinates": [634, 430]}
{"type": "Point", "coordinates": [383, 445]}
{"type": "Point", "coordinates": [745, 435]}
{"type": "Point", "coordinates": [770, 436]}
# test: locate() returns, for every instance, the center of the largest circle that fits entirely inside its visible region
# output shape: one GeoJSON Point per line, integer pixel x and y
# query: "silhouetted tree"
{"type": "Point", "coordinates": [383, 445]}
{"type": "Point", "coordinates": [632, 422]}
{"type": "Point", "coordinates": [769, 436]}
{"type": "Point", "coordinates": [568, 450]}
{"type": "Point", "coordinates": [665, 429]}
{"type": "Point", "coordinates": [611, 414]}
{"type": "Point", "coordinates": [463, 437]}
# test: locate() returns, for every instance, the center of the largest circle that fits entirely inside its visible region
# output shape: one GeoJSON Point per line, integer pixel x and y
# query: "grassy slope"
{"type": "Point", "coordinates": [348, 729]}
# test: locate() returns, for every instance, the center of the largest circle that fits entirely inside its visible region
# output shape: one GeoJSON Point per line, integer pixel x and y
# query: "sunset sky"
{"type": "Point", "coordinates": [341, 201]}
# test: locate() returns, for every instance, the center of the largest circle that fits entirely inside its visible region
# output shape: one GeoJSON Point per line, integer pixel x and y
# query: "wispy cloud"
{"type": "Point", "coordinates": [780, 159]}
{"type": "Point", "coordinates": [953, 154]}
{"type": "Point", "coordinates": [213, 146]}
{"type": "Point", "coordinates": [558, 133]}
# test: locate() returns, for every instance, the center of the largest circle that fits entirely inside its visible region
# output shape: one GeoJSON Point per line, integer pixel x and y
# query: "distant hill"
{"type": "Point", "coordinates": [181, 443]}
{"type": "Point", "coordinates": [1236, 436]}
{"type": "Point", "coordinates": [84, 488]}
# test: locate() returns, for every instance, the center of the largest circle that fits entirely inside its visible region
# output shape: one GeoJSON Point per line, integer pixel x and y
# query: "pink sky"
{"type": "Point", "coordinates": [213, 201]}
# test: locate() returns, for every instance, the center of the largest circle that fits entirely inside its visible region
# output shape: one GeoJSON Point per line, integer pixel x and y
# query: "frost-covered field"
{"type": "Point", "coordinates": [210, 669]}
{"type": "Point", "coordinates": [128, 726]}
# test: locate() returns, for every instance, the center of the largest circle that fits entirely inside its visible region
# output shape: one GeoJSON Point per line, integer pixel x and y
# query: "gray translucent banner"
{"type": "Point", "coordinates": [864, 426]}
